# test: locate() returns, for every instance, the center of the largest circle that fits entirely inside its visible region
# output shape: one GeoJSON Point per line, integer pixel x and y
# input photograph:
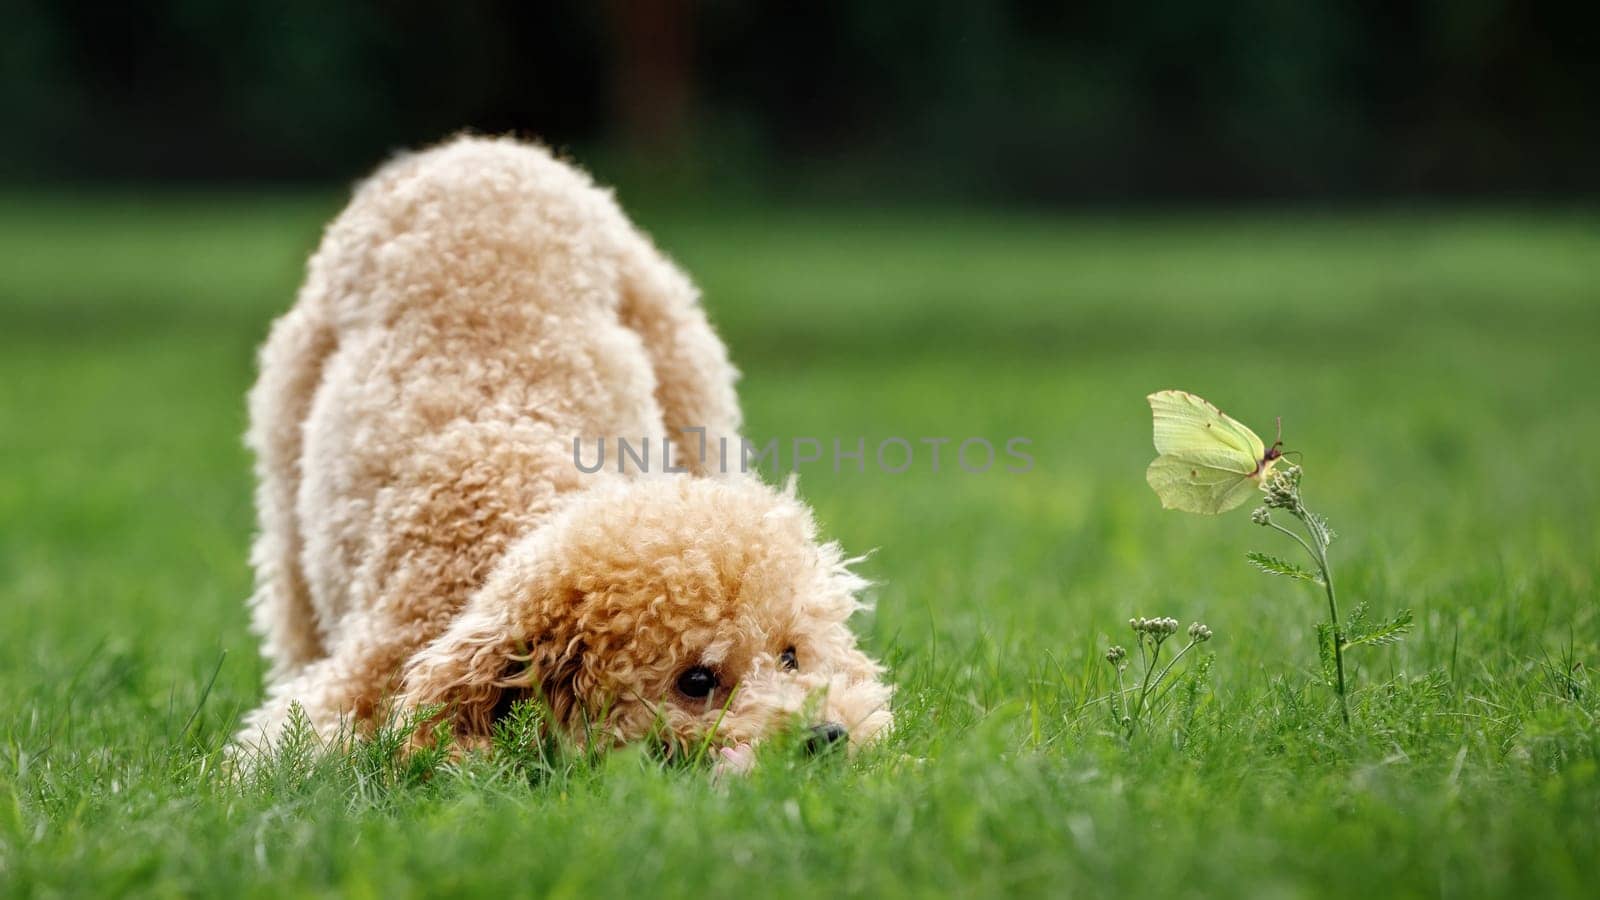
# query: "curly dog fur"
{"type": "Point", "coordinates": [425, 536]}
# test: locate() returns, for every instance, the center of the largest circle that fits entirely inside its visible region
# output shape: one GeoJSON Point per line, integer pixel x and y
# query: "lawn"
{"type": "Point", "coordinates": [1437, 370]}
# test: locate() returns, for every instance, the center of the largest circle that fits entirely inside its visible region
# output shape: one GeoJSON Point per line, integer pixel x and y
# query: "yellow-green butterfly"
{"type": "Point", "coordinates": [1209, 463]}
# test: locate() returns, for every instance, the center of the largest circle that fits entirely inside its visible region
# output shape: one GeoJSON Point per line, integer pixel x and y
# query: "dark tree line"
{"type": "Point", "coordinates": [1186, 99]}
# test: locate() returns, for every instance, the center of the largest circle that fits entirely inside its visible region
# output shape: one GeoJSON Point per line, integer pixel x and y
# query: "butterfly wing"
{"type": "Point", "coordinates": [1207, 460]}
{"type": "Point", "coordinates": [1185, 423]}
{"type": "Point", "coordinates": [1196, 487]}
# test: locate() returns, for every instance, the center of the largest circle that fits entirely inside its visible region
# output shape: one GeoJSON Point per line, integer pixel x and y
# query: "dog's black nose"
{"type": "Point", "coordinates": [824, 736]}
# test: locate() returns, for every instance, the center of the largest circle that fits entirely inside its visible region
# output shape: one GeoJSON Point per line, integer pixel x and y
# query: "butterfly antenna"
{"type": "Point", "coordinates": [1273, 452]}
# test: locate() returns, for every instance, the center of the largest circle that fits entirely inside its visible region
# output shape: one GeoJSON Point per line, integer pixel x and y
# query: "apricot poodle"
{"type": "Point", "coordinates": [426, 536]}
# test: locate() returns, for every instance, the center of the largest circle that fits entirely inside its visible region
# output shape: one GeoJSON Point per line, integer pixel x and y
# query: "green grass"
{"type": "Point", "coordinates": [1437, 371]}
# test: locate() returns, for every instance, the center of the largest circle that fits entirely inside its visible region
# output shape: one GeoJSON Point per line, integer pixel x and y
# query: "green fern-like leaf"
{"type": "Point", "coordinates": [421, 764]}
{"type": "Point", "coordinates": [1194, 682]}
{"type": "Point", "coordinates": [1272, 565]}
{"type": "Point", "coordinates": [1355, 622]}
{"type": "Point", "coordinates": [1379, 633]}
{"type": "Point", "coordinates": [1317, 523]}
{"type": "Point", "coordinates": [524, 739]}
{"type": "Point", "coordinates": [1330, 669]}
{"type": "Point", "coordinates": [296, 749]}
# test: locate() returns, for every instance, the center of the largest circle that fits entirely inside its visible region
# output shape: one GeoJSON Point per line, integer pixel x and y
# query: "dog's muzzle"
{"type": "Point", "coordinates": [824, 737]}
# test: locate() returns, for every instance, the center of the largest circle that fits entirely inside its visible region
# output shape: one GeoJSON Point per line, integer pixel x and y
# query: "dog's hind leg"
{"type": "Point", "coordinates": [694, 379]}
{"type": "Point", "coordinates": [337, 694]}
{"type": "Point", "coordinates": [291, 364]}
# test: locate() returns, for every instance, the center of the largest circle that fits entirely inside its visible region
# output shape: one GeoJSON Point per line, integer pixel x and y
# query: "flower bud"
{"type": "Point", "coordinates": [1282, 490]}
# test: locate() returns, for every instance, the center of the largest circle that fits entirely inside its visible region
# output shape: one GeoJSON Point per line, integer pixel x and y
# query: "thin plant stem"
{"type": "Point", "coordinates": [1298, 540]}
{"type": "Point", "coordinates": [1144, 689]}
{"type": "Point", "coordinates": [712, 734]}
{"type": "Point", "coordinates": [1174, 661]}
{"type": "Point", "coordinates": [1317, 549]}
{"type": "Point", "coordinates": [1333, 614]}
{"type": "Point", "coordinates": [1110, 698]}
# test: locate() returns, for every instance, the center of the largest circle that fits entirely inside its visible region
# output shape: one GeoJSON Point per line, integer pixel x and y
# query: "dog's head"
{"type": "Point", "coordinates": [681, 608]}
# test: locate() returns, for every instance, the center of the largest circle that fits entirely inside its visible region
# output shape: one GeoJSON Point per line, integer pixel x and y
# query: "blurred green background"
{"type": "Point", "coordinates": [1373, 219]}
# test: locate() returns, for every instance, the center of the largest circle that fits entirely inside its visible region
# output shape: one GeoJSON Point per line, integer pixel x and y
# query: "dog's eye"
{"type": "Point", "coordinates": [697, 683]}
{"type": "Point", "coordinates": [789, 660]}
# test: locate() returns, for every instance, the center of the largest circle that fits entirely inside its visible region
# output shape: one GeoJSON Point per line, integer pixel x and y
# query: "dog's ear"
{"type": "Point", "coordinates": [494, 654]}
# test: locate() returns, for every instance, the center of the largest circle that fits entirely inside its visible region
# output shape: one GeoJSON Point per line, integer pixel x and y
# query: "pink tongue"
{"type": "Point", "coordinates": [735, 760]}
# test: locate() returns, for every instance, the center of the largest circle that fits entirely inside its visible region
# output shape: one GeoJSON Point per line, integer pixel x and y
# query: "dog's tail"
{"type": "Point", "coordinates": [291, 364]}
